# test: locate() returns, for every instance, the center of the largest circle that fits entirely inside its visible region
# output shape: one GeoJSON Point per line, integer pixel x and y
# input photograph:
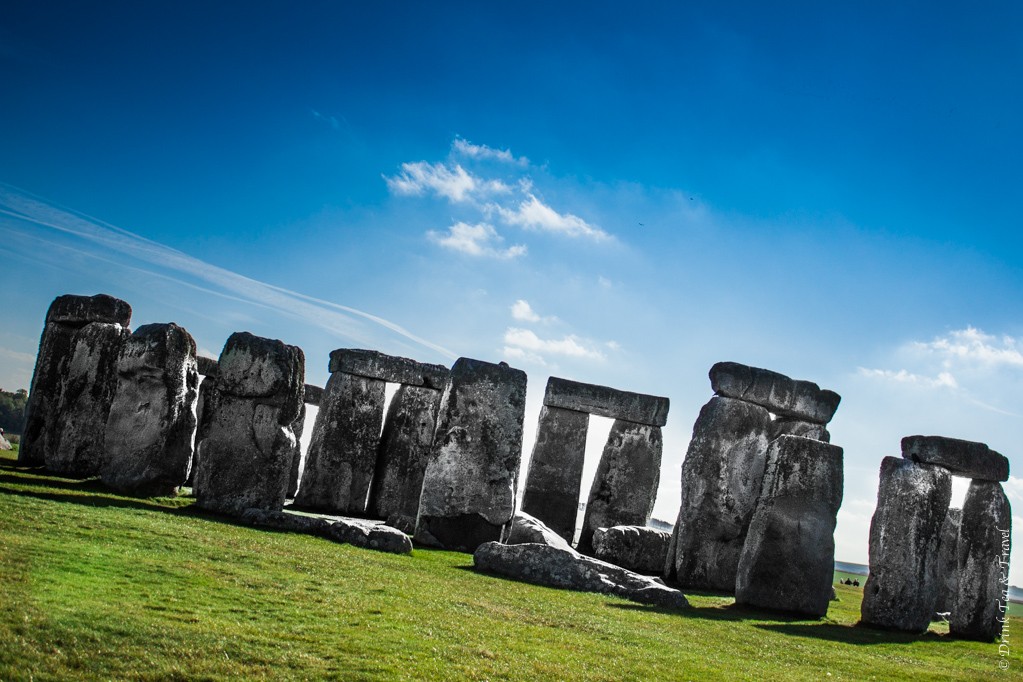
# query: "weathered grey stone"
{"type": "Point", "coordinates": [248, 442]}
{"type": "Point", "coordinates": [721, 480]}
{"type": "Point", "coordinates": [370, 535]}
{"type": "Point", "coordinates": [375, 365]}
{"type": "Point", "coordinates": [983, 548]}
{"type": "Point", "coordinates": [625, 485]}
{"type": "Point", "coordinates": [298, 427]}
{"type": "Point", "coordinates": [404, 450]}
{"type": "Point", "coordinates": [469, 485]}
{"type": "Point", "coordinates": [342, 454]}
{"type": "Point", "coordinates": [902, 587]}
{"type": "Point", "coordinates": [313, 395]}
{"type": "Point", "coordinates": [76, 443]}
{"type": "Point", "coordinates": [778, 393]}
{"type": "Point", "coordinates": [66, 315]}
{"type": "Point", "coordinates": [948, 563]}
{"type": "Point", "coordinates": [606, 402]}
{"type": "Point", "coordinates": [151, 423]}
{"type": "Point", "coordinates": [206, 366]}
{"type": "Point", "coordinates": [961, 457]}
{"type": "Point", "coordinates": [203, 419]}
{"type": "Point", "coordinates": [556, 469]}
{"type": "Point", "coordinates": [786, 426]}
{"type": "Point", "coordinates": [788, 559]}
{"type": "Point", "coordinates": [528, 529]}
{"type": "Point", "coordinates": [569, 570]}
{"type": "Point", "coordinates": [637, 548]}
{"type": "Point", "coordinates": [282, 520]}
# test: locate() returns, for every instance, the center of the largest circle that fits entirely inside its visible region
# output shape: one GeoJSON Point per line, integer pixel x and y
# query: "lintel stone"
{"type": "Point", "coordinates": [376, 365]}
{"type": "Point", "coordinates": [606, 402]}
{"type": "Point", "coordinates": [778, 393]}
{"type": "Point", "coordinates": [961, 457]}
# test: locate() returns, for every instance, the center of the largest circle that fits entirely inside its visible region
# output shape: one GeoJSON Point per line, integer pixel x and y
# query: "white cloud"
{"type": "Point", "coordinates": [974, 346]}
{"type": "Point", "coordinates": [482, 151]}
{"type": "Point", "coordinates": [521, 355]}
{"type": "Point", "coordinates": [533, 214]}
{"type": "Point", "coordinates": [943, 380]}
{"type": "Point", "coordinates": [613, 345]}
{"type": "Point", "coordinates": [479, 240]}
{"type": "Point", "coordinates": [455, 184]}
{"type": "Point", "coordinates": [1014, 489]}
{"type": "Point", "coordinates": [569, 346]}
{"type": "Point", "coordinates": [522, 311]}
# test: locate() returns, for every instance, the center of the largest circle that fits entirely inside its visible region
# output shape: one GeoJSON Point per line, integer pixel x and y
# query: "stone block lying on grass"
{"type": "Point", "coordinates": [527, 529]}
{"type": "Point", "coordinates": [358, 532]}
{"type": "Point", "coordinates": [570, 570]}
{"type": "Point", "coordinates": [637, 548]}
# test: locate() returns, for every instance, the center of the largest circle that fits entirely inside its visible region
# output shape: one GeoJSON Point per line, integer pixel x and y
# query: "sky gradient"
{"type": "Point", "coordinates": [615, 194]}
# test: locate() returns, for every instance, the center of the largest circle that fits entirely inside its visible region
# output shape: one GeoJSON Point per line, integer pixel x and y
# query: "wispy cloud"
{"type": "Point", "coordinates": [570, 346]}
{"type": "Point", "coordinates": [943, 380]}
{"type": "Point", "coordinates": [480, 240]}
{"type": "Point", "coordinates": [330, 120]}
{"type": "Point", "coordinates": [453, 183]}
{"type": "Point", "coordinates": [482, 151]}
{"type": "Point", "coordinates": [18, 357]}
{"type": "Point", "coordinates": [533, 214]}
{"type": "Point", "coordinates": [523, 312]}
{"type": "Point", "coordinates": [972, 345]}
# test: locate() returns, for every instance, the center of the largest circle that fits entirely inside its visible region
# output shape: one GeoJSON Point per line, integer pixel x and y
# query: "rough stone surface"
{"type": "Point", "coordinates": [788, 559]}
{"type": "Point", "coordinates": [375, 365]}
{"type": "Point", "coordinates": [637, 548]}
{"type": "Point", "coordinates": [370, 535]}
{"type": "Point", "coordinates": [528, 529]}
{"type": "Point", "coordinates": [342, 453]}
{"type": "Point", "coordinates": [404, 450]}
{"type": "Point", "coordinates": [948, 563]}
{"type": "Point", "coordinates": [206, 366]}
{"type": "Point", "coordinates": [985, 542]}
{"type": "Point", "coordinates": [556, 469]}
{"type": "Point", "coordinates": [606, 402]}
{"type": "Point", "coordinates": [313, 395]}
{"type": "Point", "coordinates": [298, 427]}
{"type": "Point", "coordinates": [902, 587]}
{"type": "Point", "coordinates": [469, 485]}
{"type": "Point", "coordinates": [282, 520]}
{"type": "Point", "coordinates": [248, 440]}
{"type": "Point", "coordinates": [76, 441]}
{"type": "Point", "coordinates": [203, 418]}
{"type": "Point", "coordinates": [625, 485]}
{"type": "Point", "coordinates": [961, 457]}
{"type": "Point", "coordinates": [778, 393]}
{"type": "Point", "coordinates": [786, 426]}
{"type": "Point", "coordinates": [151, 423]}
{"type": "Point", "coordinates": [66, 315]}
{"type": "Point", "coordinates": [570, 570]}
{"type": "Point", "coordinates": [721, 480]}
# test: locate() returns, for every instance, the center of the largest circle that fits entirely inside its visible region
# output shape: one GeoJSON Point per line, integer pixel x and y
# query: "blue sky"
{"type": "Point", "coordinates": [619, 194]}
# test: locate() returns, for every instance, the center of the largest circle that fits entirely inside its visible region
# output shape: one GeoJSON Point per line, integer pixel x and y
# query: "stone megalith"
{"type": "Point", "coordinates": [295, 470]}
{"type": "Point", "coordinates": [785, 397]}
{"type": "Point", "coordinates": [985, 541]}
{"type": "Point", "coordinates": [962, 457]}
{"type": "Point", "coordinates": [404, 450]}
{"type": "Point", "coordinates": [469, 485]}
{"type": "Point", "coordinates": [248, 441]}
{"type": "Point", "coordinates": [66, 315]}
{"type": "Point", "coordinates": [556, 469]}
{"type": "Point", "coordinates": [75, 446]}
{"type": "Point", "coordinates": [637, 548]}
{"type": "Point", "coordinates": [625, 484]}
{"type": "Point", "coordinates": [786, 426]}
{"type": "Point", "coordinates": [902, 587]}
{"type": "Point", "coordinates": [721, 480]}
{"type": "Point", "coordinates": [948, 563]}
{"type": "Point", "coordinates": [788, 559]}
{"type": "Point", "coordinates": [151, 424]}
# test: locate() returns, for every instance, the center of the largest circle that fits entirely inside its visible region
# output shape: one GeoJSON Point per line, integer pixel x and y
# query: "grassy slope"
{"type": "Point", "coordinates": [98, 586]}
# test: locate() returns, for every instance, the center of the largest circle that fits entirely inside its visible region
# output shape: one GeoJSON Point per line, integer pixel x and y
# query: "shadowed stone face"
{"type": "Point", "coordinates": [961, 457]}
{"type": "Point", "coordinates": [948, 558]}
{"type": "Point", "coordinates": [778, 393]}
{"type": "Point", "coordinates": [902, 588]}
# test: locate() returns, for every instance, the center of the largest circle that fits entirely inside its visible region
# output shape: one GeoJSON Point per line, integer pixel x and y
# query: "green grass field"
{"type": "Point", "coordinates": [98, 586]}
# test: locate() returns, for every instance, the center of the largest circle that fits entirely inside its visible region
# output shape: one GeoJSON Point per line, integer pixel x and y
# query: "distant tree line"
{"type": "Point", "coordinates": [12, 410]}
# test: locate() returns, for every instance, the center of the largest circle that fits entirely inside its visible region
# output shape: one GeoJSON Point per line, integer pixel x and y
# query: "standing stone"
{"type": "Point", "coordinates": [76, 443]}
{"type": "Point", "coordinates": [556, 469]}
{"type": "Point", "coordinates": [342, 454]}
{"type": "Point", "coordinates": [151, 424]}
{"type": "Point", "coordinates": [404, 450]}
{"type": "Point", "coordinates": [637, 548]}
{"type": "Point", "coordinates": [721, 480]}
{"type": "Point", "coordinates": [962, 457]}
{"type": "Point", "coordinates": [778, 393]}
{"type": "Point", "coordinates": [902, 587]}
{"type": "Point", "coordinates": [625, 485]}
{"type": "Point", "coordinates": [788, 559]}
{"type": "Point", "coordinates": [295, 472]}
{"type": "Point", "coordinates": [66, 315]}
{"type": "Point", "coordinates": [985, 541]}
{"type": "Point", "coordinates": [948, 563]}
{"type": "Point", "coordinates": [469, 485]}
{"type": "Point", "coordinates": [248, 441]}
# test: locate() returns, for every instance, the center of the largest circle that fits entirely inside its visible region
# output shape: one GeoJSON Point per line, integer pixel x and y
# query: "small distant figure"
{"type": "Point", "coordinates": [848, 581]}
{"type": "Point", "coordinates": [856, 583]}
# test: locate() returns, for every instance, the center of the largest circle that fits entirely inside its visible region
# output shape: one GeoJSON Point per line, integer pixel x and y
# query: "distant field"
{"type": "Point", "coordinates": [98, 586]}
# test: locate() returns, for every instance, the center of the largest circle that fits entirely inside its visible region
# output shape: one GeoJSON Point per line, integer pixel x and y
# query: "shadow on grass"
{"type": "Point", "coordinates": [849, 634]}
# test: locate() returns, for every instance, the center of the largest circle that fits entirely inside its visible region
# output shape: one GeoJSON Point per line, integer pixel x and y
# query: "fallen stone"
{"type": "Point", "coordinates": [948, 563]}
{"type": "Point", "coordinates": [248, 443]}
{"type": "Point", "coordinates": [721, 480]}
{"type": "Point", "coordinates": [625, 485]}
{"type": "Point", "coordinates": [985, 542]}
{"type": "Point", "coordinates": [569, 570]}
{"type": "Point", "coordinates": [75, 446]}
{"type": "Point", "coordinates": [282, 520]}
{"type": "Point", "coordinates": [526, 529]}
{"type": "Point", "coordinates": [785, 426]}
{"type": "Point", "coordinates": [370, 535]}
{"type": "Point", "coordinates": [404, 451]}
{"type": "Point", "coordinates": [469, 485]}
{"type": "Point", "coordinates": [151, 424]}
{"type": "Point", "coordinates": [556, 469]}
{"type": "Point", "coordinates": [778, 393]}
{"type": "Point", "coordinates": [788, 559]}
{"type": "Point", "coordinates": [637, 548]}
{"type": "Point", "coordinates": [606, 402]}
{"type": "Point", "coordinates": [961, 457]}
{"type": "Point", "coordinates": [375, 365]}
{"type": "Point", "coordinates": [342, 454]}
{"type": "Point", "coordinates": [902, 587]}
